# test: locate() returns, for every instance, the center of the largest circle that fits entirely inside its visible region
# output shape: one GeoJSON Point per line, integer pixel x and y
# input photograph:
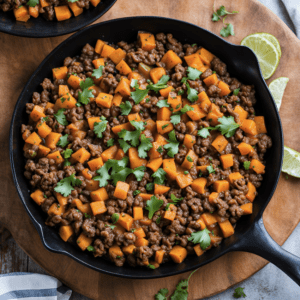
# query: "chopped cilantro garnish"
{"type": "Point", "coordinates": [63, 141]}
{"type": "Point", "coordinates": [97, 73]}
{"type": "Point", "coordinates": [66, 185]}
{"type": "Point", "coordinates": [153, 205]}
{"type": "Point", "coordinates": [173, 144]}
{"type": "Point", "coordinates": [159, 176]}
{"type": "Point", "coordinates": [201, 237]}
{"type": "Point", "coordinates": [60, 117]}
{"type": "Point", "coordinates": [99, 128]}
{"type": "Point", "coordinates": [125, 108]}
{"type": "Point", "coordinates": [110, 142]}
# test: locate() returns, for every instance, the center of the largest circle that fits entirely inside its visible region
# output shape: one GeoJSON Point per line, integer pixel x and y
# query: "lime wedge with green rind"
{"type": "Point", "coordinates": [266, 53]}
{"type": "Point", "coordinates": [277, 88]}
{"type": "Point", "coordinates": [291, 162]}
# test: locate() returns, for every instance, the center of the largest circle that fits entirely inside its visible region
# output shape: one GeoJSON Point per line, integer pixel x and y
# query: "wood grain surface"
{"type": "Point", "coordinates": [19, 57]}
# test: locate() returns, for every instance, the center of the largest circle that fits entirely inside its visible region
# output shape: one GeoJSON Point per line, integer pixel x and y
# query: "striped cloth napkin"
{"type": "Point", "coordinates": [31, 286]}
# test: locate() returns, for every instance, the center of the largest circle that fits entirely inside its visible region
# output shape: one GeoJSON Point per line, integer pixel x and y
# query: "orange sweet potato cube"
{"type": "Point", "coordinates": [147, 41]}
{"type": "Point", "coordinates": [137, 213]}
{"type": "Point", "coordinates": [117, 55]}
{"type": "Point", "coordinates": [171, 59]}
{"type": "Point", "coordinates": [33, 139]}
{"type": "Point", "coordinates": [83, 241]}
{"type": "Point", "coordinates": [123, 68]}
{"type": "Point", "coordinates": [38, 197]}
{"type": "Point", "coordinates": [221, 186]}
{"type": "Point", "coordinates": [109, 153]}
{"type": "Point", "coordinates": [60, 73]}
{"type": "Point", "coordinates": [104, 100]}
{"type": "Point", "coordinates": [62, 12]}
{"type": "Point", "coordinates": [226, 228]}
{"type": "Point", "coordinates": [178, 254]}
{"type": "Point", "coordinates": [198, 185]}
{"type": "Point", "coordinates": [99, 46]}
{"type": "Point", "coordinates": [81, 155]}
{"type": "Point", "coordinates": [184, 180]}
{"type": "Point", "coordinates": [95, 163]}
{"type": "Point", "coordinates": [37, 113]}
{"type": "Point", "coordinates": [107, 50]}
{"type": "Point", "coordinates": [121, 190]}
{"type": "Point", "coordinates": [220, 143]}
{"type": "Point", "coordinates": [123, 87]}
{"type": "Point", "coordinates": [157, 73]}
{"type": "Point", "coordinates": [99, 195]}
{"type": "Point", "coordinates": [125, 221]}
{"type": "Point", "coordinates": [98, 207]}
{"type": "Point", "coordinates": [66, 232]}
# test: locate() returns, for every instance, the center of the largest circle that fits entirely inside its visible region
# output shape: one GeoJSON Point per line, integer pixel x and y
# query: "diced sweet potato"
{"type": "Point", "coordinates": [257, 166]}
{"type": "Point", "coordinates": [99, 195]}
{"type": "Point", "coordinates": [178, 254]}
{"type": "Point", "coordinates": [66, 232]}
{"type": "Point", "coordinates": [81, 155]}
{"type": "Point", "coordinates": [98, 207]}
{"type": "Point", "coordinates": [125, 221]}
{"type": "Point", "coordinates": [226, 228]}
{"type": "Point", "coordinates": [38, 197]}
{"type": "Point", "coordinates": [171, 59]}
{"type": "Point", "coordinates": [121, 190]}
{"type": "Point", "coordinates": [83, 241]}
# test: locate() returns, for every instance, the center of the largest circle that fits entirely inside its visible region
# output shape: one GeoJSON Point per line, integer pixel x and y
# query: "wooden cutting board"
{"type": "Point", "coordinates": [19, 57]}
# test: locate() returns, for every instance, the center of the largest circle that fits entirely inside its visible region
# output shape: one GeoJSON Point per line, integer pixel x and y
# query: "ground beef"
{"type": "Point", "coordinates": [91, 153]}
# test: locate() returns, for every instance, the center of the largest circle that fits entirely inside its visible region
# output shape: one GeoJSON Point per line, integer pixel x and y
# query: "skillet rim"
{"type": "Point", "coordinates": [234, 246]}
{"type": "Point", "coordinates": [39, 33]}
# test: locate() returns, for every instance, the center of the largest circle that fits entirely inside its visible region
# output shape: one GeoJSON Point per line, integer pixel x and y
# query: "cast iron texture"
{"type": "Point", "coordinates": [40, 28]}
{"type": "Point", "coordinates": [250, 234]}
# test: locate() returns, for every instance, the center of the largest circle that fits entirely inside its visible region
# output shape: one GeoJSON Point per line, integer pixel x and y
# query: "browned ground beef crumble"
{"type": "Point", "coordinates": [44, 174]}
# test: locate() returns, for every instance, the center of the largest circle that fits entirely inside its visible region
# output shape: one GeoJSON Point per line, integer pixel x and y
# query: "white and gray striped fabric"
{"type": "Point", "coordinates": [31, 286]}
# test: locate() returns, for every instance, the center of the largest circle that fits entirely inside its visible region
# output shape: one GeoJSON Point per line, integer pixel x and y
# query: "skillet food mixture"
{"type": "Point", "coordinates": [61, 9]}
{"type": "Point", "coordinates": [144, 152]}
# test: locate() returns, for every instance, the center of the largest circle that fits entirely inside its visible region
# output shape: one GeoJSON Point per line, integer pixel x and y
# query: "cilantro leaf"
{"type": "Point", "coordinates": [201, 237]}
{"type": "Point", "coordinates": [138, 95]}
{"type": "Point", "coordinates": [125, 146]}
{"type": "Point", "coordinates": [115, 217]}
{"type": "Point", "coordinates": [138, 125]}
{"type": "Point", "coordinates": [85, 84]}
{"type": "Point", "coordinates": [149, 186]}
{"type": "Point", "coordinates": [139, 172]}
{"type": "Point", "coordinates": [153, 205]}
{"type": "Point", "coordinates": [103, 176]}
{"type": "Point", "coordinates": [174, 199]}
{"type": "Point", "coordinates": [186, 108]}
{"type": "Point", "coordinates": [136, 192]}
{"type": "Point", "coordinates": [193, 73]}
{"type": "Point", "coordinates": [125, 108]}
{"type": "Point", "coordinates": [227, 31]}
{"type": "Point", "coordinates": [90, 248]}
{"type": "Point", "coordinates": [227, 126]}
{"type": "Point", "coordinates": [67, 153]}
{"type": "Point", "coordinates": [162, 294]}
{"type": "Point", "coordinates": [192, 94]}
{"type": "Point", "coordinates": [63, 141]}
{"type": "Point", "coordinates": [60, 117]}
{"type": "Point", "coordinates": [210, 169]}
{"type": "Point", "coordinates": [84, 96]}
{"type": "Point", "coordinates": [239, 292]}
{"type": "Point", "coordinates": [110, 142]}
{"type": "Point", "coordinates": [32, 3]}
{"type": "Point", "coordinates": [97, 73]}
{"type": "Point", "coordinates": [163, 103]}
{"type": "Point", "coordinates": [72, 1]}
{"type": "Point", "coordinates": [151, 267]}
{"type": "Point", "coordinates": [145, 146]}
{"type": "Point", "coordinates": [121, 175]}
{"type": "Point", "coordinates": [161, 84]}
{"type": "Point", "coordinates": [99, 128]}
{"type": "Point", "coordinates": [215, 17]}
{"type": "Point", "coordinates": [222, 11]}
{"type": "Point", "coordinates": [66, 185]}
{"type": "Point", "coordinates": [159, 176]}
{"type": "Point", "coordinates": [236, 91]}
{"type": "Point", "coordinates": [247, 165]}
{"type": "Point", "coordinates": [175, 119]}
{"type": "Point", "coordinates": [204, 132]}
{"type": "Point", "coordinates": [132, 136]}
{"type": "Point", "coordinates": [173, 144]}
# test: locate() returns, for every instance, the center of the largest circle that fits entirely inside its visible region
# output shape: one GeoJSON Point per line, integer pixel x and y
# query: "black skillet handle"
{"type": "Point", "coordinates": [258, 241]}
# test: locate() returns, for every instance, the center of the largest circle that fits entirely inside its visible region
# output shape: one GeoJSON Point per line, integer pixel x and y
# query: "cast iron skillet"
{"type": "Point", "coordinates": [40, 28]}
{"type": "Point", "coordinates": [250, 234]}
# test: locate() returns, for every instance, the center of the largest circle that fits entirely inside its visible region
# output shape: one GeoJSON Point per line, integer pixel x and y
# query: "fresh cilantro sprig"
{"type": "Point", "coordinates": [247, 165]}
{"type": "Point", "coordinates": [175, 201]}
{"type": "Point", "coordinates": [153, 205]}
{"type": "Point", "coordinates": [138, 95]}
{"type": "Point", "coordinates": [32, 3]}
{"type": "Point", "coordinates": [145, 146]}
{"type": "Point", "coordinates": [175, 118]}
{"type": "Point", "coordinates": [67, 154]}
{"type": "Point", "coordinates": [66, 185]}
{"type": "Point", "coordinates": [193, 73]}
{"type": "Point", "coordinates": [239, 293]}
{"type": "Point", "coordinates": [99, 128]}
{"type": "Point", "coordinates": [236, 91]}
{"type": "Point", "coordinates": [63, 141]}
{"type": "Point", "coordinates": [161, 84]}
{"type": "Point", "coordinates": [162, 103]}
{"type": "Point", "coordinates": [125, 146]}
{"type": "Point", "coordinates": [201, 237]}
{"type": "Point", "coordinates": [227, 127]}
{"type": "Point", "coordinates": [173, 144]}
{"type": "Point", "coordinates": [130, 136]}
{"type": "Point", "coordinates": [110, 142]}
{"type": "Point", "coordinates": [180, 293]}
{"type": "Point", "coordinates": [97, 73]}
{"type": "Point", "coordinates": [85, 95]}
{"type": "Point", "coordinates": [60, 117]}
{"type": "Point", "coordinates": [117, 170]}
{"type": "Point", "coordinates": [125, 108]}
{"type": "Point", "coordinates": [115, 217]}
{"type": "Point", "coordinates": [192, 94]}
{"type": "Point", "coordinates": [159, 176]}
{"type": "Point", "coordinates": [221, 14]}
{"type": "Point", "coordinates": [210, 169]}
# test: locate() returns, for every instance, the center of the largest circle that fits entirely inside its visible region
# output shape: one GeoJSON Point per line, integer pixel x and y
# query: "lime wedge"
{"type": "Point", "coordinates": [271, 38]}
{"type": "Point", "coordinates": [291, 162]}
{"type": "Point", "coordinates": [277, 88]}
{"type": "Point", "coordinates": [266, 53]}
